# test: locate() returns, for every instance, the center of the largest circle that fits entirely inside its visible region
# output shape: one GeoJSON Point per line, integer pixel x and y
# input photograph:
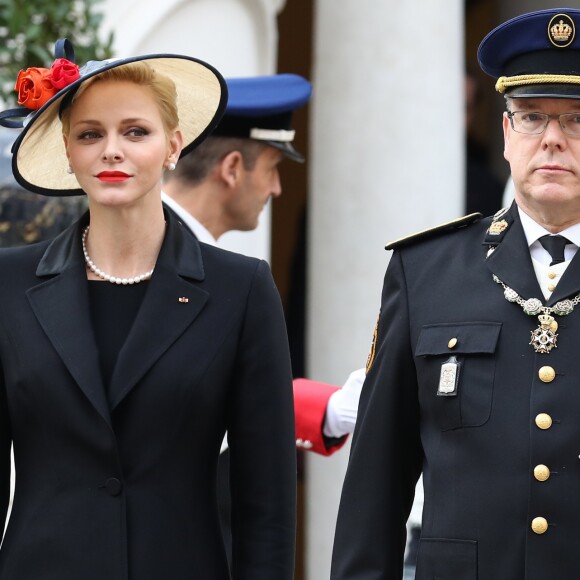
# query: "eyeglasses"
{"type": "Point", "coordinates": [531, 123]}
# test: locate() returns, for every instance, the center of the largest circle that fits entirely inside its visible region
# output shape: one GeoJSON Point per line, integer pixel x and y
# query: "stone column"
{"type": "Point", "coordinates": [386, 160]}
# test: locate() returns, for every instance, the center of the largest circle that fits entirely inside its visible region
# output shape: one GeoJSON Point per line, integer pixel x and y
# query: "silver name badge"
{"type": "Point", "coordinates": [449, 378]}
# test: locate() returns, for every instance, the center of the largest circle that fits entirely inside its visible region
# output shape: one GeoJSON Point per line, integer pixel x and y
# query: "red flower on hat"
{"type": "Point", "coordinates": [36, 86]}
{"type": "Point", "coordinates": [63, 73]}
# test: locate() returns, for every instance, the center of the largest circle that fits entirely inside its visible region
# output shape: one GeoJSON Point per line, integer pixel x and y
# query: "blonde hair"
{"type": "Point", "coordinates": [140, 73]}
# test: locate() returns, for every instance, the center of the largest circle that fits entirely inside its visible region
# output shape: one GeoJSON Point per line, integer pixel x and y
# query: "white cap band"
{"type": "Point", "coordinates": [272, 135]}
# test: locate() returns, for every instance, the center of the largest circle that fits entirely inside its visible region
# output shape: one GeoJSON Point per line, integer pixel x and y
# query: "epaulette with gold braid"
{"type": "Point", "coordinates": [440, 229]}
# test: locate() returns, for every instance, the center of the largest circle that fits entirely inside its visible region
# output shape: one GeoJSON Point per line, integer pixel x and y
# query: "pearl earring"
{"type": "Point", "coordinates": [69, 170]}
{"type": "Point", "coordinates": [171, 166]}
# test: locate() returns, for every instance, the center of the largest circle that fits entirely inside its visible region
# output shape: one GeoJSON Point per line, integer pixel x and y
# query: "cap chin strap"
{"type": "Point", "coordinates": [505, 83]}
{"type": "Point", "coordinates": [272, 135]}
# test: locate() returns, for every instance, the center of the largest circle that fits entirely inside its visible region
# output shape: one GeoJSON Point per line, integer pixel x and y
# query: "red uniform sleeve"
{"type": "Point", "coordinates": [310, 401]}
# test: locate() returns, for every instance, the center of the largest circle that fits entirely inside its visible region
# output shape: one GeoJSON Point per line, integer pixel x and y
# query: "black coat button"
{"type": "Point", "coordinates": [113, 486]}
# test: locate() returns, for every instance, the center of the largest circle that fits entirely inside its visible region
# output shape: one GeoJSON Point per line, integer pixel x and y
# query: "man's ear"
{"type": "Point", "coordinates": [232, 169]}
{"type": "Point", "coordinates": [506, 136]}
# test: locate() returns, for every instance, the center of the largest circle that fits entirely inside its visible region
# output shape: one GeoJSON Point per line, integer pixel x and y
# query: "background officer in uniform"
{"type": "Point", "coordinates": [474, 377]}
{"type": "Point", "coordinates": [224, 184]}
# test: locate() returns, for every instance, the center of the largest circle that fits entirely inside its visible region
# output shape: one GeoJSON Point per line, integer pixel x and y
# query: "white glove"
{"type": "Point", "coordinates": [342, 406]}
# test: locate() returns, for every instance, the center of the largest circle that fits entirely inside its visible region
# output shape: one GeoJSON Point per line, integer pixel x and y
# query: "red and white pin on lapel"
{"type": "Point", "coordinates": [183, 299]}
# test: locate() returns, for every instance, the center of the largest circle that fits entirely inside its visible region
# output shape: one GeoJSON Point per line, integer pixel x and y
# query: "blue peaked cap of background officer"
{"type": "Point", "coordinates": [535, 55]}
{"type": "Point", "coordinates": [261, 108]}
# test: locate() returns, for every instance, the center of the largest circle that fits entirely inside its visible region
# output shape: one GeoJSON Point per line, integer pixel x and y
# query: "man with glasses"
{"type": "Point", "coordinates": [473, 378]}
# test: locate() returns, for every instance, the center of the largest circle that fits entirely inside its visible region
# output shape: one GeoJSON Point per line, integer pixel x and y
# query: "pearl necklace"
{"type": "Point", "coordinates": [98, 272]}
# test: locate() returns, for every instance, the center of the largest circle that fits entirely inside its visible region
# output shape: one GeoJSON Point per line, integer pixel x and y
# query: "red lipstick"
{"type": "Point", "coordinates": [112, 176]}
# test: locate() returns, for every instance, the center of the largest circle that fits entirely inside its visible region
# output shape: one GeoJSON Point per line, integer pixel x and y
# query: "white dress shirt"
{"type": "Point", "coordinates": [548, 276]}
{"type": "Point", "coordinates": [199, 230]}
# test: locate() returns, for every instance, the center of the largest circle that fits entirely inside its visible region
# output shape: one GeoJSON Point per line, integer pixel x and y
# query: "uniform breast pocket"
{"type": "Point", "coordinates": [456, 369]}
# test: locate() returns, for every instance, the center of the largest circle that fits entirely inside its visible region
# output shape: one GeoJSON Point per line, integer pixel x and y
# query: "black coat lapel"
{"type": "Point", "coordinates": [511, 261]}
{"type": "Point", "coordinates": [61, 305]}
{"type": "Point", "coordinates": [170, 305]}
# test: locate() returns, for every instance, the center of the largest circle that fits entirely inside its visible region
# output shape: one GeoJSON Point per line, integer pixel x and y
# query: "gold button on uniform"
{"type": "Point", "coordinates": [552, 275]}
{"type": "Point", "coordinates": [541, 472]}
{"type": "Point", "coordinates": [540, 525]}
{"type": "Point", "coordinates": [543, 421]}
{"type": "Point", "coordinates": [547, 374]}
{"type": "Point", "coordinates": [551, 287]}
{"type": "Point", "coordinates": [452, 343]}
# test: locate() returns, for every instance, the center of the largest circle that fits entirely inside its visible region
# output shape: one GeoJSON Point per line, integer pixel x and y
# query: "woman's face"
{"type": "Point", "coordinates": [117, 145]}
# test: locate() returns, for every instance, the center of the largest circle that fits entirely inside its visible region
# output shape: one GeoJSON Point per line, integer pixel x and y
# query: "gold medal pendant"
{"type": "Point", "coordinates": [544, 337]}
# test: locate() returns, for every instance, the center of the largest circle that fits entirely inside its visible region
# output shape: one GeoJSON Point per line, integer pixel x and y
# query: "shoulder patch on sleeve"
{"type": "Point", "coordinates": [371, 357]}
{"type": "Point", "coordinates": [432, 232]}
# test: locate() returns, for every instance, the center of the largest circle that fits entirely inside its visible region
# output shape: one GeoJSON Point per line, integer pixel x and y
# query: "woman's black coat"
{"type": "Point", "coordinates": [126, 489]}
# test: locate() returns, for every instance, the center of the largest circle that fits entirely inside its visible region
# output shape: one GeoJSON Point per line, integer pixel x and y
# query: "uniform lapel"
{"type": "Point", "coordinates": [511, 261]}
{"type": "Point", "coordinates": [570, 282]}
{"type": "Point", "coordinates": [512, 264]}
{"type": "Point", "coordinates": [61, 305]}
{"type": "Point", "coordinates": [170, 305]}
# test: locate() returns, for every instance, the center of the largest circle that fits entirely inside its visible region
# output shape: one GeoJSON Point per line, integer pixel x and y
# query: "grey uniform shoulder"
{"type": "Point", "coordinates": [438, 230]}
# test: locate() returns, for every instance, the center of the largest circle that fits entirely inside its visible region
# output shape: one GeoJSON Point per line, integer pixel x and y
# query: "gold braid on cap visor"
{"type": "Point", "coordinates": [504, 83]}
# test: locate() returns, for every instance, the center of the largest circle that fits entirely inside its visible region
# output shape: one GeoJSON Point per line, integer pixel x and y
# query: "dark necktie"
{"type": "Point", "coordinates": [555, 245]}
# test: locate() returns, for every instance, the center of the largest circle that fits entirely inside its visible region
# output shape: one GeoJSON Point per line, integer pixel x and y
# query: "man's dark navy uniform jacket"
{"type": "Point", "coordinates": [498, 447]}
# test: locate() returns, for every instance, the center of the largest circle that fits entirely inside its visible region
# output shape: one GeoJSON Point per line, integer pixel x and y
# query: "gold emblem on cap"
{"type": "Point", "coordinates": [561, 30]}
{"type": "Point", "coordinates": [497, 228]}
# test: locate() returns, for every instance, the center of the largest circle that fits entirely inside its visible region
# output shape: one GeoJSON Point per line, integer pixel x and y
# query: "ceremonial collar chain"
{"type": "Point", "coordinates": [545, 336]}
{"type": "Point", "coordinates": [113, 279]}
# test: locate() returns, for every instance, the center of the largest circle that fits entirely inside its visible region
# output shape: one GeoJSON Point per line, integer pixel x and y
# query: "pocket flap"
{"type": "Point", "coordinates": [462, 338]}
{"type": "Point", "coordinates": [444, 559]}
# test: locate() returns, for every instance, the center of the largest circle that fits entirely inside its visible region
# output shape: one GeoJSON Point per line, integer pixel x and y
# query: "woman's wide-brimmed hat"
{"type": "Point", "coordinates": [39, 160]}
